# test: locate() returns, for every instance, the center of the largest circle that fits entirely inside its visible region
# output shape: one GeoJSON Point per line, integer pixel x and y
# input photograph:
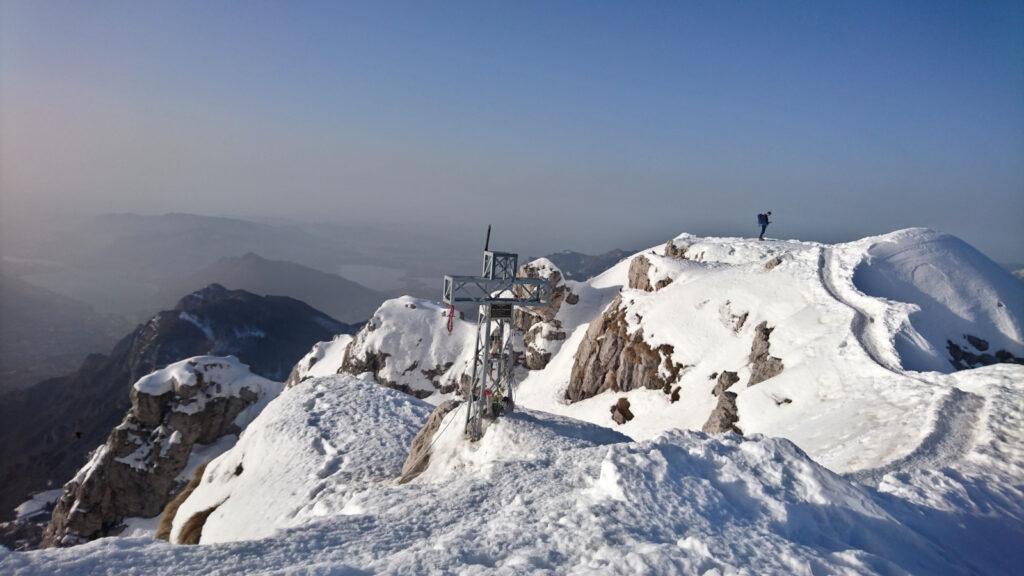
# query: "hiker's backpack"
{"type": "Point", "coordinates": [762, 219]}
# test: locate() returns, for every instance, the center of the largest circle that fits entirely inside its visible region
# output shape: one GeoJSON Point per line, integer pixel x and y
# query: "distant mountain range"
{"type": "Point", "coordinates": [47, 430]}
{"type": "Point", "coordinates": [44, 334]}
{"type": "Point", "coordinates": [343, 299]}
{"type": "Point", "coordinates": [123, 263]}
{"type": "Point", "coordinates": [579, 266]}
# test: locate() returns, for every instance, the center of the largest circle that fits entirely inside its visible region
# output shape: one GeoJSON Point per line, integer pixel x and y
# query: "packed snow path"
{"type": "Point", "coordinates": [956, 418]}
{"type": "Point", "coordinates": [827, 271]}
{"type": "Point", "coordinates": [952, 436]}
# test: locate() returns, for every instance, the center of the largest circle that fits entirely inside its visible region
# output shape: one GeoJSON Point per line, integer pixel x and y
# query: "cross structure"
{"type": "Point", "coordinates": [497, 291]}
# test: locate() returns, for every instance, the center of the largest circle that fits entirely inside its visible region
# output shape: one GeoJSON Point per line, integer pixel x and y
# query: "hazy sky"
{"type": "Point", "coordinates": [584, 125]}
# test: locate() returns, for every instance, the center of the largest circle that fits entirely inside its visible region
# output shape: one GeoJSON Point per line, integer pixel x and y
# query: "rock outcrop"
{"type": "Point", "coordinates": [621, 412]}
{"type": "Point", "coordinates": [762, 364]}
{"type": "Point", "coordinates": [406, 346]}
{"type": "Point", "coordinates": [419, 452]}
{"type": "Point", "coordinates": [641, 271]}
{"type": "Point", "coordinates": [136, 472]}
{"type": "Point", "coordinates": [48, 430]}
{"type": "Point", "coordinates": [542, 330]}
{"type": "Point", "coordinates": [612, 358]}
{"type": "Point", "coordinates": [677, 248]}
{"type": "Point", "coordinates": [725, 414]}
{"type": "Point", "coordinates": [963, 358]}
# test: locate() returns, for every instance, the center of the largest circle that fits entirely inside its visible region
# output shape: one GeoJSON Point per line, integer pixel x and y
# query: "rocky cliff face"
{"type": "Point", "coordinates": [541, 329]}
{"type": "Point", "coordinates": [47, 431]}
{"type": "Point", "coordinates": [137, 471]}
{"type": "Point", "coordinates": [613, 358]}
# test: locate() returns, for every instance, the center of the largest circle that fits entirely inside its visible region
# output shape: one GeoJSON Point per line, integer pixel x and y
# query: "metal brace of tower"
{"type": "Point", "coordinates": [497, 291]}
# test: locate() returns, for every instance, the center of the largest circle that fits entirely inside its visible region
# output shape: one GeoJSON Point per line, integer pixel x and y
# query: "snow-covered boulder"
{"type": "Point", "coordinates": [137, 471]}
{"type": "Point", "coordinates": [406, 345]}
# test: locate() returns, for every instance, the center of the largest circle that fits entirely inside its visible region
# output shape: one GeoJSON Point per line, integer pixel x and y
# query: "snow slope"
{"type": "Point", "coordinates": [318, 445]}
{"type": "Point", "coordinates": [545, 494]}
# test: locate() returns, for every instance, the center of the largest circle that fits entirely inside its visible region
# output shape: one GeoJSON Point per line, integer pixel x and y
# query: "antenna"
{"type": "Point", "coordinates": [498, 292]}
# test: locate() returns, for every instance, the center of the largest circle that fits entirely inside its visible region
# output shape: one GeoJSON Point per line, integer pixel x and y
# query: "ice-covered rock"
{"type": "Point", "coordinates": [136, 472]}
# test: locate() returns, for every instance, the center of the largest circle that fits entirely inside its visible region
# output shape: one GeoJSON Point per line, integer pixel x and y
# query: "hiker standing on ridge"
{"type": "Point", "coordinates": [762, 221]}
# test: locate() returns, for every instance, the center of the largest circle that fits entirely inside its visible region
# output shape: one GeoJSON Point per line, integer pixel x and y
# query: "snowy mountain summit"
{"type": "Point", "coordinates": [706, 406]}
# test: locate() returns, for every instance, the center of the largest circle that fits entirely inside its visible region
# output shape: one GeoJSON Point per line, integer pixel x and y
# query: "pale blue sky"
{"type": "Point", "coordinates": [587, 124]}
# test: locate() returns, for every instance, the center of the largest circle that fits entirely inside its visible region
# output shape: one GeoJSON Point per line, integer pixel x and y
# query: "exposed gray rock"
{"type": "Point", "coordinates": [979, 344]}
{"type": "Point", "coordinates": [773, 263]}
{"type": "Point", "coordinates": [762, 364]}
{"type": "Point", "coordinates": [962, 358]}
{"type": "Point", "coordinates": [725, 414]}
{"type": "Point", "coordinates": [610, 358]}
{"type": "Point", "coordinates": [134, 474]}
{"type": "Point", "coordinates": [676, 248]}
{"type": "Point", "coordinates": [540, 326]}
{"type": "Point", "coordinates": [724, 417]}
{"type": "Point", "coordinates": [639, 274]}
{"type": "Point", "coordinates": [725, 380]}
{"type": "Point", "coordinates": [621, 412]}
{"type": "Point", "coordinates": [419, 451]}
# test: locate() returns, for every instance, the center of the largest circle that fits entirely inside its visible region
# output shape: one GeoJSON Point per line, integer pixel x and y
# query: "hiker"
{"type": "Point", "coordinates": [763, 222]}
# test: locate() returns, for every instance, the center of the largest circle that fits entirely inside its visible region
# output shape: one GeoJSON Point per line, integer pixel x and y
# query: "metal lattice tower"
{"type": "Point", "coordinates": [497, 291]}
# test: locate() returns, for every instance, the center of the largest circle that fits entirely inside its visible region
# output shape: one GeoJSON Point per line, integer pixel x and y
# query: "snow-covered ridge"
{"type": "Point", "coordinates": [855, 460]}
{"type": "Point", "coordinates": [813, 332]}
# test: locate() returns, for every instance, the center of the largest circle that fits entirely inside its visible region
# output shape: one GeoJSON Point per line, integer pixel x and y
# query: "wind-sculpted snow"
{"type": "Point", "coordinates": [949, 291]}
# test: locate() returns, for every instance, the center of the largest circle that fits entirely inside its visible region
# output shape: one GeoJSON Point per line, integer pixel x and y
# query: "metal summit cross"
{"type": "Point", "coordinates": [497, 291]}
